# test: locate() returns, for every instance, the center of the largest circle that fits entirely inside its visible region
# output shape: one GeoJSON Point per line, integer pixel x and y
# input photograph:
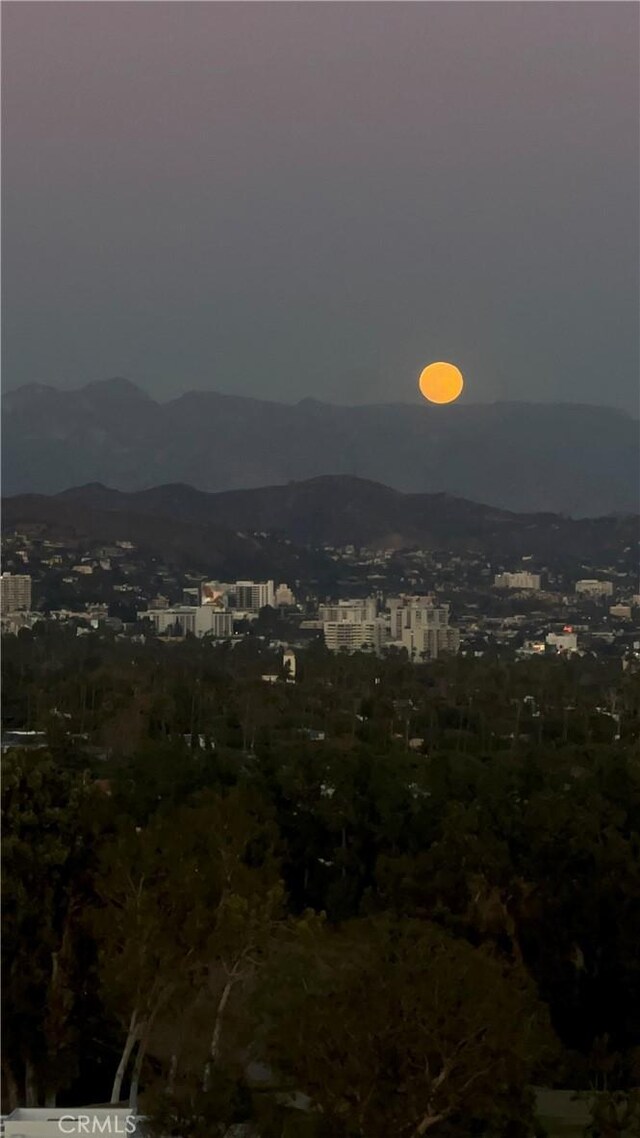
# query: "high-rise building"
{"type": "Point", "coordinates": [422, 627]}
{"type": "Point", "coordinates": [415, 623]}
{"type": "Point", "coordinates": [15, 592]}
{"type": "Point", "coordinates": [358, 611]}
{"type": "Point", "coordinates": [415, 612]}
{"type": "Point", "coordinates": [355, 635]}
{"type": "Point", "coordinates": [428, 643]}
{"type": "Point", "coordinates": [251, 596]}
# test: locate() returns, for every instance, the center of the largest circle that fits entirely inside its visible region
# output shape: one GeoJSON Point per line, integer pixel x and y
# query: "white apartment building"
{"type": "Point", "coordinates": [519, 580]}
{"type": "Point", "coordinates": [355, 635]}
{"type": "Point", "coordinates": [422, 627]}
{"type": "Point", "coordinates": [594, 588]}
{"type": "Point", "coordinates": [415, 612]}
{"type": "Point", "coordinates": [251, 596]}
{"type": "Point", "coordinates": [355, 611]}
{"type": "Point", "coordinates": [15, 592]}
{"type": "Point", "coordinates": [428, 643]}
{"type": "Point", "coordinates": [200, 620]}
{"type": "Point", "coordinates": [414, 623]}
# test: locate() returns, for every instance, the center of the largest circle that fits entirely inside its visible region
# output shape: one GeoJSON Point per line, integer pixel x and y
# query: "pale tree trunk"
{"type": "Point", "coordinates": [428, 1122]}
{"type": "Point", "coordinates": [30, 1085]}
{"type": "Point", "coordinates": [145, 1035]}
{"type": "Point", "coordinates": [430, 1119]}
{"type": "Point", "coordinates": [217, 1032]}
{"type": "Point", "coordinates": [137, 1067]}
{"type": "Point", "coordinates": [132, 1035]}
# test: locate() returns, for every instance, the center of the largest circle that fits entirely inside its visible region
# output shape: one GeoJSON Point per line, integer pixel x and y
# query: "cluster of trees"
{"type": "Point", "coordinates": [219, 920]}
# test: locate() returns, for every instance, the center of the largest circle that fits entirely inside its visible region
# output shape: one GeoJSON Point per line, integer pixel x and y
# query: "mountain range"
{"type": "Point", "coordinates": [566, 458]}
{"type": "Point", "coordinates": [273, 530]}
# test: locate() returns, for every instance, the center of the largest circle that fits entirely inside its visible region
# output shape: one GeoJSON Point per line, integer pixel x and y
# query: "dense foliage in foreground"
{"type": "Point", "coordinates": [381, 901]}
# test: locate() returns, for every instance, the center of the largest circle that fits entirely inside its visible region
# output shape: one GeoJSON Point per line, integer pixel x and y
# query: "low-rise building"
{"type": "Point", "coordinates": [565, 641]}
{"type": "Point", "coordinates": [520, 580]}
{"type": "Point", "coordinates": [620, 612]}
{"type": "Point", "coordinates": [592, 588]}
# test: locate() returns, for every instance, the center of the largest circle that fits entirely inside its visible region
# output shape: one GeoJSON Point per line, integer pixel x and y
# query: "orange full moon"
{"type": "Point", "coordinates": [441, 383]}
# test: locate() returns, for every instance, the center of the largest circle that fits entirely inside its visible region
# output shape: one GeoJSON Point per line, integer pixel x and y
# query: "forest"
{"type": "Point", "coordinates": [382, 901]}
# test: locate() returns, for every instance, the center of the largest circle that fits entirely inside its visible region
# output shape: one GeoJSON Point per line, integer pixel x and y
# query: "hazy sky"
{"type": "Point", "coordinates": [302, 199]}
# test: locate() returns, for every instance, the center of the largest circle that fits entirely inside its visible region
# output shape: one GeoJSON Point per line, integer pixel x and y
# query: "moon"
{"type": "Point", "coordinates": [441, 382]}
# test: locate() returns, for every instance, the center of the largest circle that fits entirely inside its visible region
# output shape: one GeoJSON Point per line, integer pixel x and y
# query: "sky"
{"type": "Point", "coordinates": [317, 199]}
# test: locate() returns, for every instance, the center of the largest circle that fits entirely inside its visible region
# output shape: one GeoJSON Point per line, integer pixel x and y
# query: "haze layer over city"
{"type": "Point", "coordinates": [320, 600]}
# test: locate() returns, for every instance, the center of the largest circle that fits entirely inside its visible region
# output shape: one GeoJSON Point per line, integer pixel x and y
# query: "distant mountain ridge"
{"type": "Point", "coordinates": [256, 525]}
{"type": "Point", "coordinates": [573, 459]}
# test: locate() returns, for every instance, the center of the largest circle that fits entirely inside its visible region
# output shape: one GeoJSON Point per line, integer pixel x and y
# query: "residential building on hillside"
{"type": "Point", "coordinates": [620, 612]}
{"type": "Point", "coordinates": [565, 641]}
{"type": "Point", "coordinates": [590, 588]}
{"type": "Point", "coordinates": [519, 580]}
